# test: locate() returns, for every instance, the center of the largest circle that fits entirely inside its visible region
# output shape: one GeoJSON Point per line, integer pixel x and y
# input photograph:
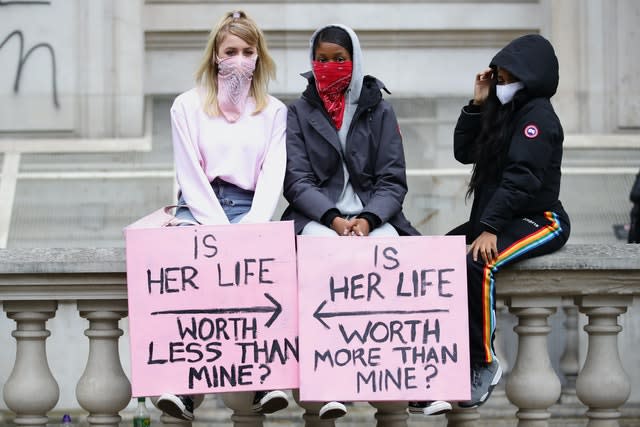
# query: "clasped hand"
{"type": "Point", "coordinates": [350, 227]}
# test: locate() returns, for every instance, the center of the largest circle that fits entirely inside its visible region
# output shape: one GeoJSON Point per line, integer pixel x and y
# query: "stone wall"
{"type": "Point", "coordinates": [71, 68]}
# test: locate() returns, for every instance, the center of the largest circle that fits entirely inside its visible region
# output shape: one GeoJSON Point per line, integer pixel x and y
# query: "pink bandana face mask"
{"type": "Point", "coordinates": [234, 81]}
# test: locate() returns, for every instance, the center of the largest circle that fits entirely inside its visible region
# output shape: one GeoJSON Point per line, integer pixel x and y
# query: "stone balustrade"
{"type": "Point", "coordinates": [599, 281]}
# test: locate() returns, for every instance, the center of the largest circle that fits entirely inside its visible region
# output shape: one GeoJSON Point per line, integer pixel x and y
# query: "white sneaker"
{"type": "Point", "coordinates": [332, 410]}
{"type": "Point", "coordinates": [433, 407]}
{"type": "Point", "coordinates": [268, 402]}
{"type": "Point", "coordinates": [180, 407]}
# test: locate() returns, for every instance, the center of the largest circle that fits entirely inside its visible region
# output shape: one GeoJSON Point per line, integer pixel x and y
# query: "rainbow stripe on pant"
{"type": "Point", "coordinates": [519, 248]}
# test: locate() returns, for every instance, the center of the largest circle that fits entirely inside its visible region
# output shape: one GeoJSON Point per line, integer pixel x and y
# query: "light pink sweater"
{"type": "Point", "coordinates": [249, 153]}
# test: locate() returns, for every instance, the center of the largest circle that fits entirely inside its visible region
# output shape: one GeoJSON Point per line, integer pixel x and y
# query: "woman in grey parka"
{"type": "Point", "coordinates": [345, 160]}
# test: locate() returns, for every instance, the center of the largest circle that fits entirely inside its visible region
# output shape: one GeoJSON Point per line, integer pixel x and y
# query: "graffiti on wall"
{"type": "Point", "coordinates": [23, 57]}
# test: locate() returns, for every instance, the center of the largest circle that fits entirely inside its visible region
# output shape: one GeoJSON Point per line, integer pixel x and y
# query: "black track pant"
{"type": "Point", "coordinates": [522, 238]}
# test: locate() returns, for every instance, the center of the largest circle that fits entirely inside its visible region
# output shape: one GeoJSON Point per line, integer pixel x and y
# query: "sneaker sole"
{"type": "Point", "coordinates": [174, 409]}
{"type": "Point", "coordinates": [332, 414]}
{"type": "Point", "coordinates": [273, 401]}
{"type": "Point", "coordinates": [483, 399]}
{"type": "Point", "coordinates": [435, 409]}
{"type": "Point", "coordinates": [335, 410]}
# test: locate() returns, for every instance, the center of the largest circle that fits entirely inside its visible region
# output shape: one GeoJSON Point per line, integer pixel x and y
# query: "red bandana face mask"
{"type": "Point", "coordinates": [332, 79]}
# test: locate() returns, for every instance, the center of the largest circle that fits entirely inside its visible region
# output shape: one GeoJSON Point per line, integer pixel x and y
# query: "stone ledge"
{"type": "Point", "coordinates": [572, 257]}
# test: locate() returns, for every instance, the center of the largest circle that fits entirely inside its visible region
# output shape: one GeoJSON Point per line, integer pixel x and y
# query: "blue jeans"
{"type": "Point", "coordinates": [235, 202]}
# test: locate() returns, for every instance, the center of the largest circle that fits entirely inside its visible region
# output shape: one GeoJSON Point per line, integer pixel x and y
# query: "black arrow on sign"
{"type": "Point", "coordinates": [318, 315]}
{"type": "Point", "coordinates": [276, 309]}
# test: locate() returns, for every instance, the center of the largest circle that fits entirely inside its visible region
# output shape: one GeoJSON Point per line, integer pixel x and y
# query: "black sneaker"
{"type": "Point", "coordinates": [180, 407]}
{"type": "Point", "coordinates": [332, 410]}
{"type": "Point", "coordinates": [431, 407]}
{"type": "Point", "coordinates": [484, 377]}
{"type": "Point", "coordinates": [268, 402]}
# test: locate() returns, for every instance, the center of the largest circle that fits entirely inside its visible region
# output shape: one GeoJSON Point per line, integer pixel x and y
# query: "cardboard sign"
{"type": "Point", "coordinates": [212, 308]}
{"type": "Point", "coordinates": [383, 318]}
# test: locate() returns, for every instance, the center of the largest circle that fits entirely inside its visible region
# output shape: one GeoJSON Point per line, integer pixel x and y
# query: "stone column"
{"type": "Point", "coordinates": [104, 389]}
{"type": "Point", "coordinates": [311, 409]}
{"type": "Point", "coordinates": [31, 390]}
{"type": "Point", "coordinates": [533, 385]}
{"type": "Point", "coordinates": [602, 384]}
{"type": "Point", "coordinates": [240, 403]}
{"type": "Point", "coordinates": [391, 414]}
{"type": "Point", "coordinates": [499, 397]}
{"type": "Point", "coordinates": [461, 417]}
{"type": "Point", "coordinates": [569, 364]}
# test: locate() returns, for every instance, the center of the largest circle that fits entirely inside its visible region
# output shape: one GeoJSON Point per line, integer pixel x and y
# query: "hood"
{"type": "Point", "coordinates": [531, 59]}
{"type": "Point", "coordinates": [355, 87]}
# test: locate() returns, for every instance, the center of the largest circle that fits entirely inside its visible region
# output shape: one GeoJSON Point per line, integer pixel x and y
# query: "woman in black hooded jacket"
{"type": "Point", "coordinates": [513, 138]}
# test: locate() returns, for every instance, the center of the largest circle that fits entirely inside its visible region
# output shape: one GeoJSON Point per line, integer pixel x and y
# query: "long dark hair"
{"type": "Point", "coordinates": [492, 143]}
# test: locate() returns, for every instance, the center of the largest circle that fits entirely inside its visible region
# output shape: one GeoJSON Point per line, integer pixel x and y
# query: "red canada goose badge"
{"type": "Point", "coordinates": [531, 131]}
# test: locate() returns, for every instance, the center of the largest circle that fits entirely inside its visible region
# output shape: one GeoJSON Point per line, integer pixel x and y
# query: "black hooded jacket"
{"type": "Point", "coordinates": [529, 181]}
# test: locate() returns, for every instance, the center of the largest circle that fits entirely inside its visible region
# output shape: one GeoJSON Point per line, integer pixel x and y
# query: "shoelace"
{"type": "Point", "coordinates": [475, 377]}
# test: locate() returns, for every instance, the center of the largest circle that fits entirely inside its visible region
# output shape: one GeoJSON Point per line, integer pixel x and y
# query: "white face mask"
{"type": "Point", "coordinates": [505, 93]}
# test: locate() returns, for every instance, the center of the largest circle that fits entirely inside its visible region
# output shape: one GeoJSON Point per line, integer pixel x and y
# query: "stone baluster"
{"type": "Point", "coordinates": [240, 403]}
{"type": "Point", "coordinates": [103, 389]}
{"type": "Point", "coordinates": [31, 390]}
{"type": "Point", "coordinates": [569, 364]}
{"type": "Point", "coordinates": [533, 385]}
{"type": "Point", "coordinates": [311, 409]}
{"type": "Point", "coordinates": [391, 414]}
{"type": "Point", "coordinates": [602, 384]}
{"type": "Point", "coordinates": [462, 417]}
{"type": "Point", "coordinates": [499, 397]}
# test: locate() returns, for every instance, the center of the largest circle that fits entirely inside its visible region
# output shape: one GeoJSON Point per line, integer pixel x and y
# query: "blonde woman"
{"type": "Point", "coordinates": [229, 149]}
{"type": "Point", "coordinates": [228, 132]}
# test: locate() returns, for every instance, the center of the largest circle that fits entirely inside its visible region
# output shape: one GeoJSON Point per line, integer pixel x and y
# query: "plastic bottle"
{"type": "Point", "coordinates": [66, 420]}
{"type": "Point", "coordinates": [141, 418]}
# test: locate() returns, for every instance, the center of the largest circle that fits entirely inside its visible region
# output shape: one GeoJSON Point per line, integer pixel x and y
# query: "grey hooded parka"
{"type": "Point", "coordinates": [373, 155]}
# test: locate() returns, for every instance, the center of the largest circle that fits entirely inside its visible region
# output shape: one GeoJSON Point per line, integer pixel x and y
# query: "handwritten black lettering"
{"type": "Point", "coordinates": [386, 379]}
{"type": "Point", "coordinates": [392, 331]}
{"type": "Point", "coordinates": [442, 282]}
{"type": "Point", "coordinates": [422, 355]}
{"type": "Point", "coordinates": [151, 360]}
{"type": "Point", "coordinates": [269, 351]}
{"type": "Point", "coordinates": [208, 241]}
{"type": "Point", "coordinates": [353, 284]}
{"type": "Point", "coordinates": [388, 253]}
{"type": "Point", "coordinates": [344, 356]}
{"type": "Point", "coordinates": [207, 328]}
{"type": "Point", "coordinates": [420, 283]}
{"type": "Point", "coordinates": [176, 348]}
{"type": "Point", "coordinates": [244, 272]}
{"type": "Point", "coordinates": [221, 376]}
{"type": "Point", "coordinates": [177, 352]}
{"type": "Point", "coordinates": [263, 270]}
{"type": "Point", "coordinates": [167, 276]}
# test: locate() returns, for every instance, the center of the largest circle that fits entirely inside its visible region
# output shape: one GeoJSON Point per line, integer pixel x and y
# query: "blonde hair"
{"type": "Point", "coordinates": [240, 25]}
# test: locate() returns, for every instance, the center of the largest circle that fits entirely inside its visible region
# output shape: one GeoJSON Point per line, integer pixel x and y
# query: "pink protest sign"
{"type": "Point", "coordinates": [383, 318]}
{"type": "Point", "coordinates": [212, 308]}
